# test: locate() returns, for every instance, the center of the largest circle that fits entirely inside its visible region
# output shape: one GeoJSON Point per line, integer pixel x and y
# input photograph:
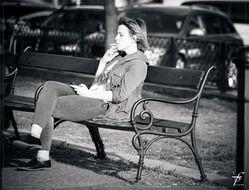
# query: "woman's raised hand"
{"type": "Point", "coordinates": [110, 54]}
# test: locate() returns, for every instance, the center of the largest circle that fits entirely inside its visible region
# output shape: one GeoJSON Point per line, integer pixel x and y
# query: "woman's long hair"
{"type": "Point", "coordinates": [137, 27]}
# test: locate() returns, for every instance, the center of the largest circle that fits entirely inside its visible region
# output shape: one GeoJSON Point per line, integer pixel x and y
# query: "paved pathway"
{"type": "Point", "coordinates": [73, 171]}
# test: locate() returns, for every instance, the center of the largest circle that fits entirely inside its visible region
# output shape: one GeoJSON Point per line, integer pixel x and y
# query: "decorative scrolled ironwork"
{"type": "Point", "coordinates": [144, 145]}
{"type": "Point", "coordinates": [145, 105]}
{"type": "Point", "coordinates": [147, 117]}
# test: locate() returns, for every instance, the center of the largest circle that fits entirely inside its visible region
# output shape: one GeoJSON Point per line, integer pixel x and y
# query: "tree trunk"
{"type": "Point", "coordinates": [111, 22]}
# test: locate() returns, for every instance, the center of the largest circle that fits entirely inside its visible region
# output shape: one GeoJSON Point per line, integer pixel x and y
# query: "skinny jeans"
{"type": "Point", "coordinates": [58, 100]}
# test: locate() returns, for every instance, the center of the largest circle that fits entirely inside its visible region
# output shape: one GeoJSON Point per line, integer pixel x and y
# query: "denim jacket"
{"type": "Point", "coordinates": [125, 80]}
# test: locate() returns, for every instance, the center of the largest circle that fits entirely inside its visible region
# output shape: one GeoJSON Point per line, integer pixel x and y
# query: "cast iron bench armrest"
{"type": "Point", "coordinates": [146, 116]}
{"type": "Point", "coordinates": [143, 121]}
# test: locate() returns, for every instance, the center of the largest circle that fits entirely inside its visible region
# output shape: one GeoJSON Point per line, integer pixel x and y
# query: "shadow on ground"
{"type": "Point", "coordinates": [82, 159]}
{"type": "Point", "coordinates": [18, 156]}
{"type": "Point", "coordinates": [78, 169]}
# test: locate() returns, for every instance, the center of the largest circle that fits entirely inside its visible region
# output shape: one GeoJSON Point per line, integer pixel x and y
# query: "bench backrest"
{"type": "Point", "coordinates": [169, 76]}
{"type": "Point", "coordinates": [58, 62]}
{"type": "Point", "coordinates": [165, 76]}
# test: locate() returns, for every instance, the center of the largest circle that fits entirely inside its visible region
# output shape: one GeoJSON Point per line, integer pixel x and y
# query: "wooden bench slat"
{"type": "Point", "coordinates": [174, 77]}
{"type": "Point", "coordinates": [21, 103]}
{"type": "Point", "coordinates": [123, 126]}
{"type": "Point", "coordinates": [58, 62]}
{"type": "Point", "coordinates": [158, 123]}
{"type": "Point", "coordinates": [162, 123]}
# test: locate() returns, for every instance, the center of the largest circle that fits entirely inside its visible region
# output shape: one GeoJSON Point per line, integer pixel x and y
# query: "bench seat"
{"type": "Point", "coordinates": [22, 103]}
{"type": "Point", "coordinates": [158, 124]}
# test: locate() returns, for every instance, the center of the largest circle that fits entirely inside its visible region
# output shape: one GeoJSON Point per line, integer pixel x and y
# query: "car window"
{"type": "Point", "coordinates": [226, 26]}
{"type": "Point", "coordinates": [92, 21]}
{"type": "Point", "coordinates": [37, 17]}
{"type": "Point", "coordinates": [160, 23]}
{"type": "Point", "coordinates": [212, 24]}
{"type": "Point", "coordinates": [54, 20]}
{"type": "Point", "coordinates": [76, 21]}
{"type": "Point", "coordinates": [197, 22]}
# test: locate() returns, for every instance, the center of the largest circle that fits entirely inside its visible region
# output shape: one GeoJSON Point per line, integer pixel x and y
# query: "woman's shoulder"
{"type": "Point", "coordinates": [142, 57]}
{"type": "Point", "coordinates": [136, 57]}
{"type": "Point", "coordinates": [138, 62]}
{"type": "Point", "coordinates": [137, 65]}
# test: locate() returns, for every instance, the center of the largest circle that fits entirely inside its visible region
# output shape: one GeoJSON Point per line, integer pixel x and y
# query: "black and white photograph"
{"type": "Point", "coordinates": [124, 94]}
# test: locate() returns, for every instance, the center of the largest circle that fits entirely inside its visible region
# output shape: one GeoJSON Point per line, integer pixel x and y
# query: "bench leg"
{"type": "Point", "coordinates": [99, 145]}
{"type": "Point", "coordinates": [140, 165]}
{"type": "Point", "coordinates": [10, 116]}
{"type": "Point", "coordinates": [199, 164]}
{"type": "Point", "coordinates": [140, 148]}
{"type": "Point", "coordinates": [197, 157]}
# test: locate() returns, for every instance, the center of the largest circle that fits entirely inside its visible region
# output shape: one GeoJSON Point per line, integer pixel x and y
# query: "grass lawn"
{"type": "Point", "coordinates": [216, 132]}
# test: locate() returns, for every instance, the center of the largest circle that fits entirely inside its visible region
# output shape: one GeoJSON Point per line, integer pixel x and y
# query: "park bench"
{"type": "Point", "coordinates": [142, 123]}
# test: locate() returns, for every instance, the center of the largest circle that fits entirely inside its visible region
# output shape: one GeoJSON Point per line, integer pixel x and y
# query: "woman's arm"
{"type": "Point", "coordinates": [110, 54]}
{"type": "Point", "coordinates": [100, 68]}
{"type": "Point", "coordinates": [97, 94]}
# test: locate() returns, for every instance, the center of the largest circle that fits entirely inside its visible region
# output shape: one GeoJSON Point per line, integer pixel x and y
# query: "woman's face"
{"type": "Point", "coordinates": [123, 38]}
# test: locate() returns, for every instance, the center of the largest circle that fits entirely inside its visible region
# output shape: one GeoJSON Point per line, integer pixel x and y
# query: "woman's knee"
{"type": "Point", "coordinates": [50, 84]}
{"type": "Point", "coordinates": [58, 87]}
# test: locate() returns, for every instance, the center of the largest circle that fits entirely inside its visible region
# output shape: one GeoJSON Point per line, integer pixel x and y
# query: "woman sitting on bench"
{"type": "Point", "coordinates": [117, 85]}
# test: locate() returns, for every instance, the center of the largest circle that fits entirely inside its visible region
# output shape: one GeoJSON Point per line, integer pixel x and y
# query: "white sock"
{"type": "Point", "coordinates": [43, 155]}
{"type": "Point", "coordinates": [36, 131]}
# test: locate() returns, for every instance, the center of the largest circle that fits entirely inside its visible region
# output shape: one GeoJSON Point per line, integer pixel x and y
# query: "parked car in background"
{"type": "Point", "coordinates": [63, 32]}
{"type": "Point", "coordinates": [196, 36]}
{"type": "Point", "coordinates": [236, 10]}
